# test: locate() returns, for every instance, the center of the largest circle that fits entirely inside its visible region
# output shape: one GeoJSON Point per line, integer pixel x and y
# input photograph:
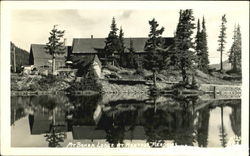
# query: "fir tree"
{"type": "Point", "coordinates": [112, 42]}
{"type": "Point", "coordinates": [222, 39]}
{"type": "Point", "coordinates": [121, 48]}
{"type": "Point", "coordinates": [184, 46]}
{"type": "Point", "coordinates": [173, 55]}
{"type": "Point", "coordinates": [198, 46]}
{"type": "Point", "coordinates": [203, 57]}
{"type": "Point", "coordinates": [131, 56]}
{"type": "Point", "coordinates": [238, 41]}
{"type": "Point", "coordinates": [235, 51]}
{"type": "Point", "coordinates": [153, 59]}
{"type": "Point", "coordinates": [55, 46]}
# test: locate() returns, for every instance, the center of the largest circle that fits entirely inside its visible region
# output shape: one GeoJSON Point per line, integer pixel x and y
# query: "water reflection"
{"type": "Point", "coordinates": [58, 120]}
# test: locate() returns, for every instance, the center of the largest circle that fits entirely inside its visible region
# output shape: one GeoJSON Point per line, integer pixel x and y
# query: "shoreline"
{"type": "Point", "coordinates": [142, 89]}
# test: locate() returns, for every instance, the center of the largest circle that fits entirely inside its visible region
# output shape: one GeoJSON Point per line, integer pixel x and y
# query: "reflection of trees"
{"type": "Point", "coordinates": [18, 105]}
{"type": "Point", "coordinates": [235, 118]}
{"type": "Point", "coordinates": [116, 124]}
{"type": "Point", "coordinates": [223, 133]}
{"type": "Point", "coordinates": [55, 135]}
{"type": "Point", "coordinates": [153, 126]}
{"type": "Point", "coordinates": [173, 124]}
{"type": "Point", "coordinates": [17, 113]}
{"type": "Point", "coordinates": [202, 129]}
{"type": "Point", "coordinates": [184, 120]}
{"type": "Point", "coordinates": [54, 138]}
{"type": "Point", "coordinates": [115, 134]}
{"type": "Point", "coordinates": [84, 107]}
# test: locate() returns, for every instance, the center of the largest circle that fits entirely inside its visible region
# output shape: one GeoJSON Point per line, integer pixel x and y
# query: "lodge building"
{"type": "Point", "coordinates": [92, 49]}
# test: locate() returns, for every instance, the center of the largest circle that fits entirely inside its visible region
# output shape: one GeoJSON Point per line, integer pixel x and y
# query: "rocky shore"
{"type": "Point", "coordinates": [22, 85]}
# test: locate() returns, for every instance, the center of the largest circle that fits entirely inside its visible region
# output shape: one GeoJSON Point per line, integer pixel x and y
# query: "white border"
{"type": "Point", "coordinates": [7, 6]}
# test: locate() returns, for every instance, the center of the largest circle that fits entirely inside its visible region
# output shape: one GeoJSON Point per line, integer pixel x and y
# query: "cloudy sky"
{"type": "Point", "coordinates": [33, 25]}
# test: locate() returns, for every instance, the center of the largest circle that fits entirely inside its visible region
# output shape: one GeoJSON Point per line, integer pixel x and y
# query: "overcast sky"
{"type": "Point", "coordinates": [33, 26]}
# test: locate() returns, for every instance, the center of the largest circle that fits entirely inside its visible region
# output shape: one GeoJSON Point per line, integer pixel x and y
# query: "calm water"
{"type": "Point", "coordinates": [123, 121]}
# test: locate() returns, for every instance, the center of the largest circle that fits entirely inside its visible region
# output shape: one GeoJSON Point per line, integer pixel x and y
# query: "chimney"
{"type": "Point", "coordinates": [91, 36]}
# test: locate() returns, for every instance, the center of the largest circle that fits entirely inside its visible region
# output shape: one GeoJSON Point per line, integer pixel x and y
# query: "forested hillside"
{"type": "Point", "coordinates": [22, 57]}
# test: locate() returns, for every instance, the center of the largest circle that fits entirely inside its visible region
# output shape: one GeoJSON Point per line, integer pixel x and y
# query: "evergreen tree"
{"type": "Point", "coordinates": [122, 48]}
{"type": "Point", "coordinates": [153, 59]}
{"type": "Point", "coordinates": [238, 56]}
{"type": "Point", "coordinates": [184, 46]}
{"type": "Point", "coordinates": [205, 48]}
{"type": "Point", "coordinates": [235, 51]}
{"type": "Point", "coordinates": [198, 46]}
{"type": "Point", "coordinates": [202, 49]}
{"type": "Point", "coordinates": [131, 55]}
{"type": "Point", "coordinates": [173, 55]}
{"type": "Point", "coordinates": [112, 42]}
{"type": "Point", "coordinates": [55, 46]}
{"type": "Point", "coordinates": [222, 39]}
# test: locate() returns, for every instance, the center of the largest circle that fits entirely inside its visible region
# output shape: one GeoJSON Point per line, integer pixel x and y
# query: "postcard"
{"type": "Point", "coordinates": [125, 78]}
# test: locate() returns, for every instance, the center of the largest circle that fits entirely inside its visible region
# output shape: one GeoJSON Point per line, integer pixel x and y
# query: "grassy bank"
{"type": "Point", "coordinates": [37, 84]}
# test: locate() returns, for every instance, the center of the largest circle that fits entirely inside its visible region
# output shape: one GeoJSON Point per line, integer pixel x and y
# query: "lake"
{"type": "Point", "coordinates": [113, 120]}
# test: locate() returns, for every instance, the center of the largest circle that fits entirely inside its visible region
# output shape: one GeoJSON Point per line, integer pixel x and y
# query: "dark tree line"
{"type": "Point", "coordinates": [21, 57]}
{"type": "Point", "coordinates": [235, 51]}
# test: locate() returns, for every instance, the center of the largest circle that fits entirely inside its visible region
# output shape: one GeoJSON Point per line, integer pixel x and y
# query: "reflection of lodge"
{"type": "Point", "coordinates": [42, 123]}
{"type": "Point", "coordinates": [51, 123]}
{"type": "Point", "coordinates": [183, 121]}
{"type": "Point", "coordinates": [92, 133]}
{"type": "Point", "coordinates": [136, 121]}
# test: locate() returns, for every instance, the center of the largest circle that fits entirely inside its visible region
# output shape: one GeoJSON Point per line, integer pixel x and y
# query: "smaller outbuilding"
{"type": "Point", "coordinates": [43, 60]}
{"type": "Point", "coordinates": [89, 66]}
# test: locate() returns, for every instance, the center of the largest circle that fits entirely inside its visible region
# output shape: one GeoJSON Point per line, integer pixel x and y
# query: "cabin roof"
{"type": "Point", "coordinates": [40, 53]}
{"type": "Point", "coordinates": [89, 45]}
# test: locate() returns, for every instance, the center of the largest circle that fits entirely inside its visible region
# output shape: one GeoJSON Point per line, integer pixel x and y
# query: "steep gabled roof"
{"type": "Point", "coordinates": [138, 43]}
{"type": "Point", "coordinates": [40, 53]}
{"type": "Point", "coordinates": [88, 45]}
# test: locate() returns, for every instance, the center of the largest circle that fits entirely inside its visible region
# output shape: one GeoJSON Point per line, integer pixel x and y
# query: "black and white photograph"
{"type": "Point", "coordinates": [164, 77]}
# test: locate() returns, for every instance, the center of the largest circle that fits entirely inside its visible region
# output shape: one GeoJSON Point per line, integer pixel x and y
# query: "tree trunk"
{"type": "Point", "coordinates": [113, 62]}
{"type": "Point", "coordinates": [155, 105]}
{"type": "Point", "coordinates": [54, 117]}
{"type": "Point", "coordinates": [154, 78]}
{"type": "Point", "coordinates": [184, 75]}
{"type": "Point", "coordinates": [221, 64]}
{"type": "Point", "coordinates": [53, 66]}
